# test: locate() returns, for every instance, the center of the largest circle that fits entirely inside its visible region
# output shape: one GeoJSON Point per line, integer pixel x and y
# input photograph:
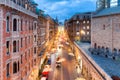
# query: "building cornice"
{"type": "Point", "coordinates": [15, 6]}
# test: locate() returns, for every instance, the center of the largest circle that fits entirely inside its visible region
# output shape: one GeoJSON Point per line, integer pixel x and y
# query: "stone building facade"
{"type": "Point", "coordinates": [105, 32]}
{"type": "Point", "coordinates": [79, 27]}
{"type": "Point", "coordinates": [52, 25]}
{"type": "Point", "coordinates": [42, 30]}
{"type": "Point", "coordinates": [18, 39]}
{"type": "Point", "coordinates": [46, 29]}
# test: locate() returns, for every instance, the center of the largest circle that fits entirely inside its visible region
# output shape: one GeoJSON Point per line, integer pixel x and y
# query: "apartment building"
{"type": "Point", "coordinates": [18, 39]}
{"type": "Point", "coordinates": [79, 27]}
{"type": "Point", "coordinates": [105, 29]}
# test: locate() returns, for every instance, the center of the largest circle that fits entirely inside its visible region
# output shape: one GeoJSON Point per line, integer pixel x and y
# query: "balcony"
{"type": "Point", "coordinates": [15, 34]}
{"type": "Point", "coordinates": [13, 5]}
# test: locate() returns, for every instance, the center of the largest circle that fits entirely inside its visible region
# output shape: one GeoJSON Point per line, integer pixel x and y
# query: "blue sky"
{"type": "Point", "coordinates": [64, 9]}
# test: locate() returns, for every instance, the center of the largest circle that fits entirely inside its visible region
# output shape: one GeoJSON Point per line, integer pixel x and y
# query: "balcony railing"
{"type": "Point", "coordinates": [15, 34]}
{"type": "Point", "coordinates": [13, 5]}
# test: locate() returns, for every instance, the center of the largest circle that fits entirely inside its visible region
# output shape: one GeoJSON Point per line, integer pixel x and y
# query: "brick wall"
{"type": "Point", "coordinates": [28, 57]}
{"type": "Point", "coordinates": [1, 26]}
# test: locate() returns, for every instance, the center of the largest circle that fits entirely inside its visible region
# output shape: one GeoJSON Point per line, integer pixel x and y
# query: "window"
{"type": "Point", "coordinates": [26, 6]}
{"type": "Point", "coordinates": [18, 66]}
{"type": "Point", "coordinates": [18, 2]}
{"type": "Point", "coordinates": [14, 67]}
{"type": "Point", "coordinates": [84, 22]}
{"type": "Point", "coordinates": [88, 27]}
{"type": "Point", "coordinates": [15, 25]}
{"type": "Point", "coordinates": [26, 25]}
{"type": "Point", "coordinates": [21, 59]}
{"type": "Point", "coordinates": [34, 50]}
{"type": "Point", "coordinates": [18, 45]}
{"type": "Point", "coordinates": [26, 41]}
{"type": "Point", "coordinates": [88, 33]}
{"type": "Point", "coordinates": [34, 38]}
{"type": "Point", "coordinates": [7, 47]}
{"type": "Point", "coordinates": [21, 24]}
{"type": "Point", "coordinates": [95, 45]}
{"type": "Point", "coordinates": [29, 39]}
{"type": "Point", "coordinates": [113, 3]}
{"type": "Point", "coordinates": [88, 21]}
{"type": "Point", "coordinates": [8, 69]}
{"type": "Point", "coordinates": [21, 42]}
{"type": "Point", "coordinates": [7, 24]}
{"type": "Point", "coordinates": [14, 1]}
{"type": "Point", "coordinates": [14, 46]}
{"type": "Point", "coordinates": [35, 26]}
{"type": "Point", "coordinates": [34, 61]}
{"type": "Point", "coordinates": [83, 27]}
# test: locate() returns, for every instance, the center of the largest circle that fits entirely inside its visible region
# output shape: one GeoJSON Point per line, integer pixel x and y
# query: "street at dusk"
{"type": "Point", "coordinates": [59, 39]}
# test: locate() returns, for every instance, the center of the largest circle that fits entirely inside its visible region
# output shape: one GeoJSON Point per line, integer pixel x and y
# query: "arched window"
{"type": "Point", "coordinates": [95, 45]}
{"type": "Point", "coordinates": [102, 47]}
{"type": "Point", "coordinates": [35, 38]}
{"type": "Point", "coordinates": [8, 69]}
{"type": "Point", "coordinates": [18, 66]}
{"type": "Point", "coordinates": [14, 46]}
{"type": "Point", "coordinates": [98, 47]}
{"type": "Point", "coordinates": [114, 50]}
{"type": "Point", "coordinates": [34, 50]}
{"type": "Point", "coordinates": [14, 67]}
{"type": "Point", "coordinates": [15, 25]}
{"type": "Point", "coordinates": [7, 24]}
{"type": "Point", "coordinates": [119, 51]}
{"type": "Point", "coordinates": [35, 26]}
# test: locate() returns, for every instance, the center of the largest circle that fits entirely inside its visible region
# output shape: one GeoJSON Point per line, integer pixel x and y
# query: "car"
{"type": "Point", "coordinates": [58, 62]}
{"type": "Point", "coordinates": [49, 61]}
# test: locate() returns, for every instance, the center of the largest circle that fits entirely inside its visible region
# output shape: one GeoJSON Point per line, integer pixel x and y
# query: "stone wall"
{"type": "Point", "coordinates": [105, 32]}
{"type": "Point", "coordinates": [91, 70]}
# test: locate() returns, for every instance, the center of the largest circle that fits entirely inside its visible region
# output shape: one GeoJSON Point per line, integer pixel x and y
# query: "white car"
{"type": "Point", "coordinates": [43, 78]}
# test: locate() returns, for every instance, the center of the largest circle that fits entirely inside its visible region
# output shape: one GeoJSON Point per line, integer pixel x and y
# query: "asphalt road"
{"type": "Point", "coordinates": [67, 71]}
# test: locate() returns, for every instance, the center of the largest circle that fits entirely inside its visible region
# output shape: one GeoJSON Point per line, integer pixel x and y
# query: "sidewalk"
{"type": "Point", "coordinates": [34, 74]}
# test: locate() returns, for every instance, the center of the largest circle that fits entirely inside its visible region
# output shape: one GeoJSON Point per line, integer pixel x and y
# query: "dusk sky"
{"type": "Point", "coordinates": [64, 9]}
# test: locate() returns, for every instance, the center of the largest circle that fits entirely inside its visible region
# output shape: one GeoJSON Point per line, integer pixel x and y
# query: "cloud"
{"type": "Point", "coordinates": [64, 9]}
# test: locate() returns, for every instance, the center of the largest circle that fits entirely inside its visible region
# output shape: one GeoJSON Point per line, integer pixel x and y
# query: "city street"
{"type": "Point", "coordinates": [67, 69]}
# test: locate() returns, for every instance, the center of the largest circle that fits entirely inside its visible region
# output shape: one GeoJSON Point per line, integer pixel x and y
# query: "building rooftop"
{"type": "Point", "coordinates": [110, 66]}
{"type": "Point", "coordinates": [108, 11]}
{"type": "Point", "coordinates": [33, 2]}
